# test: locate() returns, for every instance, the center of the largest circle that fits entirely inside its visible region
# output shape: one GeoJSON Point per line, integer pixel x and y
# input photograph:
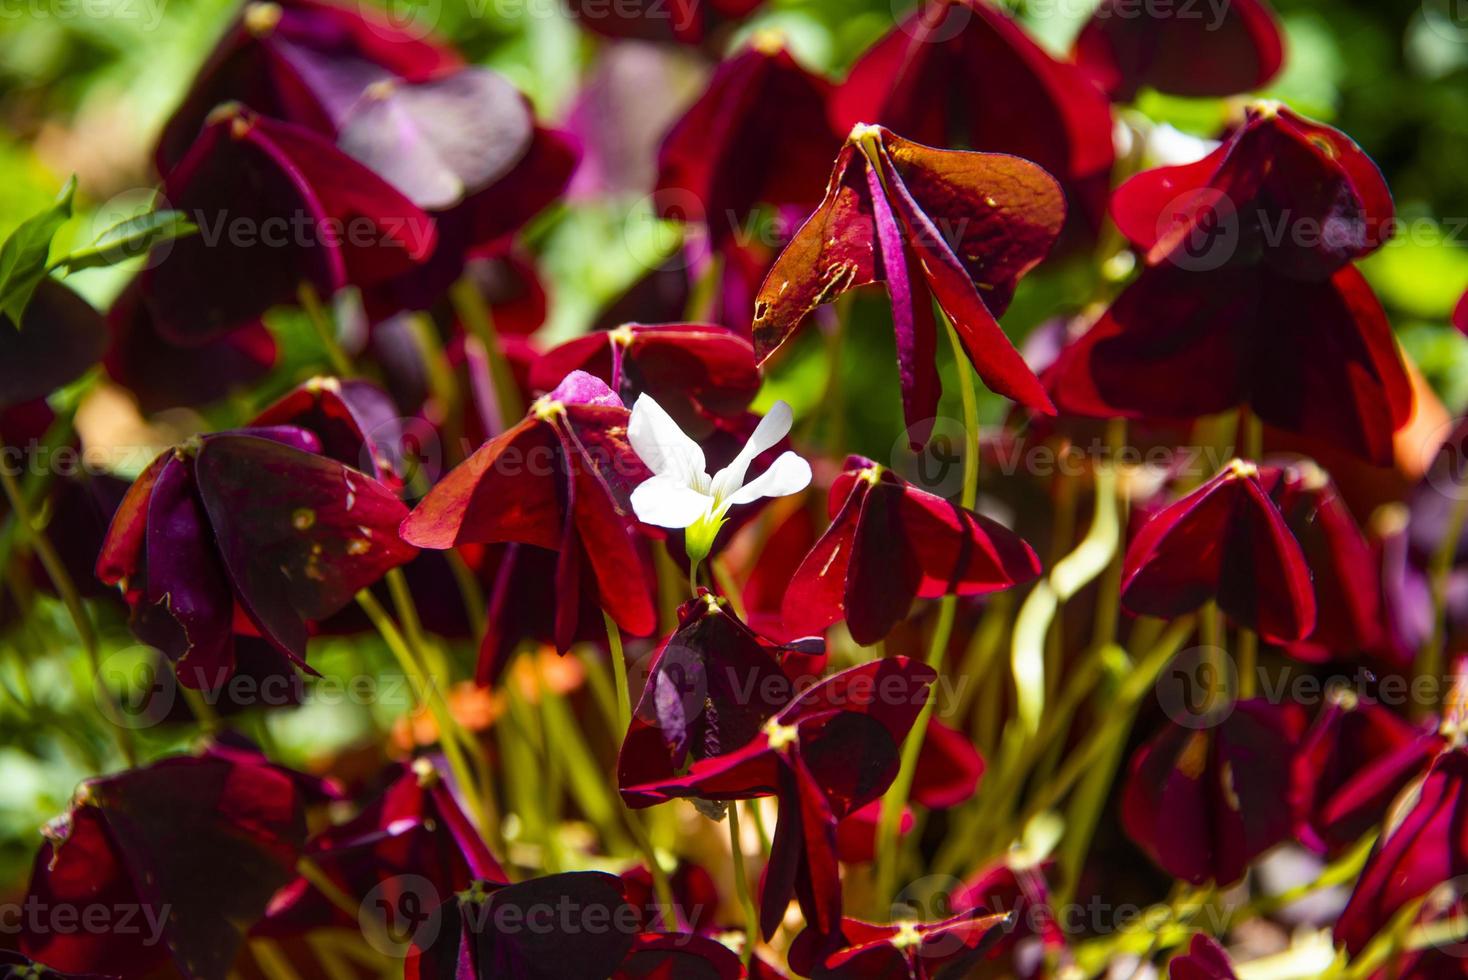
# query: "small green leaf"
{"type": "Point", "coordinates": [24, 255]}
{"type": "Point", "coordinates": [127, 239]}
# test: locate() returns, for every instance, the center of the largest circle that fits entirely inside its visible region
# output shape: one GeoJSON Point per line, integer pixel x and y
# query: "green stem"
{"type": "Point", "coordinates": [1249, 438]}
{"type": "Point", "coordinates": [66, 588]}
{"type": "Point", "coordinates": [619, 671]}
{"type": "Point", "coordinates": [1117, 723]}
{"type": "Point", "coordinates": [741, 886]}
{"type": "Point", "coordinates": [895, 800]}
{"type": "Point", "coordinates": [727, 585]}
{"type": "Point", "coordinates": [321, 322]}
{"type": "Point", "coordinates": [203, 711]}
{"type": "Point", "coordinates": [428, 695]}
{"type": "Point", "coordinates": [1430, 660]}
{"type": "Point", "coordinates": [1108, 600]}
{"type": "Point", "coordinates": [970, 401]}
{"type": "Point", "coordinates": [1248, 643]}
{"type": "Point", "coordinates": [1093, 556]}
{"type": "Point", "coordinates": [477, 319]}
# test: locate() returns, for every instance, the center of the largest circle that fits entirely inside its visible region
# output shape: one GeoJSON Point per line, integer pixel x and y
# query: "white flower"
{"type": "Point", "coordinates": [681, 494]}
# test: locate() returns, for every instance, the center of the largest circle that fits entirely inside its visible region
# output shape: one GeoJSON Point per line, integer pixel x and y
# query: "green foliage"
{"type": "Point", "coordinates": [129, 239]}
{"type": "Point", "coordinates": [25, 254]}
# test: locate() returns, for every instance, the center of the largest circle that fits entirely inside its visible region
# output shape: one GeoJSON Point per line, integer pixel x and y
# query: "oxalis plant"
{"type": "Point", "coordinates": [469, 528]}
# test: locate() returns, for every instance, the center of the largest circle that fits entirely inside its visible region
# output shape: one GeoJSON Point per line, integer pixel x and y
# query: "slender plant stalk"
{"type": "Point", "coordinates": [1116, 726]}
{"type": "Point", "coordinates": [895, 800]}
{"type": "Point", "coordinates": [56, 571]}
{"type": "Point", "coordinates": [469, 591]}
{"type": "Point", "coordinates": [619, 671]}
{"type": "Point", "coordinates": [429, 696]}
{"type": "Point", "coordinates": [434, 667]}
{"type": "Point", "coordinates": [203, 711]}
{"type": "Point", "coordinates": [741, 886]}
{"type": "Point", "coordinates": [1108, 599]}
{"type": "Point", "coordinates": [475, 314]}
{"type": "Point", "coordinates": [1250, 439]}
{"type": "Point", "coordinates": [727, 586]}
{"type": "Point", "coordinates": [272, 961]}
{"type": "Point", "coordinates": [1430, 660]}
{"type": "Point", "coordinates": [1093, 556]}
{"type": "Point", "coordinates": [321, 322]}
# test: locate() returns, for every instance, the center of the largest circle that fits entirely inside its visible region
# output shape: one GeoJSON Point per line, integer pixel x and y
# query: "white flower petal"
{"type": "Point", "coordinates": [664, 447]}
{"type": "Point", "coordinates": [771, 429]}
{"type": "Point", "coordinates": [787, 474]}
{"type": "Point", "coordinates": [666, 501]}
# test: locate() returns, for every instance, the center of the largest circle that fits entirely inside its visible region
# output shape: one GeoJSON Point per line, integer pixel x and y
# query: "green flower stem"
{"type": "Point", "coordinates": [428, 695]}
{"type": "Point", "coordinates": [207, 717]}
{"type": "Point", "coordinates": [321, 322]}
{"type": "Point", "coordinates": [741, 886]}
{"type": "Point", "coordinates": [619, 671]}
{"type": "Point", "coordinates": [344, 903]}
{"type": "Point", "coordinates": [1250, 440]}
{"type": "Point", "coordinates": [1108, 600]}
{"type": "Point", "coordinates": [1430, 660]}
{"type": "Point", "coordinates": [56, 571]}
{"type": "Point", "coordinates": [1118, 723]}
{"type": "Point", "coordinates": [727, 586]}
{"type": "Point", "coordinates": [477, 319]}
{"type": "Point", "coordinates": [895, 800]}
{"type": "Point", "coordinates": [436, 669]}
{"type": "Point", "coordinates": [601, 683]}
{"type": "Point", "coordinates": [469, 591]}
{"type": "Point", "coordinates": [1084, 813]}
{"type": "Point", "coordinates": [35, 485]}
{"type": "Point", "coordinates": [1011, 768]}
{"type": "Point", "coordinates": [1093, 556]}
{"type": "Point", "coordinates": [271, 961]}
